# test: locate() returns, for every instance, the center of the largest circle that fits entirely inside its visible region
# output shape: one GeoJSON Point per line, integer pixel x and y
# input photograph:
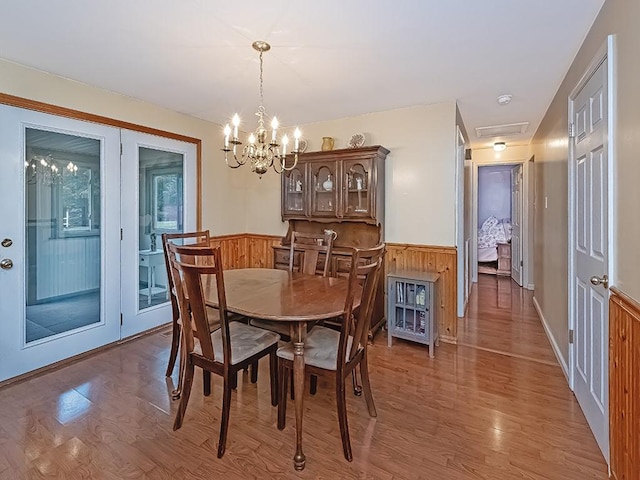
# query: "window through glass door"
{"type": "Point", "coordinates": [161, 208]}
{"type": "Point", "coordinates": [63, 251]}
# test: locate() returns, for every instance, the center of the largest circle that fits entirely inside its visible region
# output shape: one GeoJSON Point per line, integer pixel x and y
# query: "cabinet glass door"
{"type": "Point", "coordinates": [357, 197]}
{"type": "Point", "coordinates": [324, 188]}
{"type": "Point", "coordinates": [294, 191]}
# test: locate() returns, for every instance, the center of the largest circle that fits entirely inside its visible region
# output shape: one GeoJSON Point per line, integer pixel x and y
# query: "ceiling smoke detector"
{"type": "Point", "coordinates": [504, 99]}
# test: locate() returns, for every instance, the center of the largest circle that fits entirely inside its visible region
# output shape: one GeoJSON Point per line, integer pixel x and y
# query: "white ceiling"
{"type": "Point", "coordinates": [329, 59]}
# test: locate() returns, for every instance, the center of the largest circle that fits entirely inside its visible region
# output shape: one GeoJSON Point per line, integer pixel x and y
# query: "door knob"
{"type": "Point", "coordinates": [7, 242]}
{"type": "Point", "coordinates": [604, 281]}
{"type": "Point", "coordinates": [6, 263]}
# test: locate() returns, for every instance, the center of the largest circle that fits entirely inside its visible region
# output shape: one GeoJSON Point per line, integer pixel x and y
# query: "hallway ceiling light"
{"type": "Point", "coordinates": [504, 99]}
{"type": "Point", "coordinates": [261, 151]}
{"type": "Point", "coordinates": [499, 146]}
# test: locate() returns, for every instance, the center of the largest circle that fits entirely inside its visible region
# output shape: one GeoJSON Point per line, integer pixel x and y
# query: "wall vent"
{"type": "Point", "coordinates": [502, 130]}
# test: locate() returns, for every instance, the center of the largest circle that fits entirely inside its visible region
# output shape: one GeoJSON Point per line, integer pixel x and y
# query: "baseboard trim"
{"type": "Point", "coordinates": [552, 340]}
{"type": "Point", "coordinates": [448, 339]}
{"type": "Point", "coordinates": [530, 287]}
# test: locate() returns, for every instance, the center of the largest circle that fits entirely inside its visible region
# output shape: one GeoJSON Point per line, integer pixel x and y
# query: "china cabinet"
{"type": "Point", "coordinates": [336, 185]}
{"type": "Point", "coordinates": [341, 190]}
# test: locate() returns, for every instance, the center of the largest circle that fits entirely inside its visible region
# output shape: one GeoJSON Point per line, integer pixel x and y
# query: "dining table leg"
{"type": "Point", "coordinates": [298, 334]}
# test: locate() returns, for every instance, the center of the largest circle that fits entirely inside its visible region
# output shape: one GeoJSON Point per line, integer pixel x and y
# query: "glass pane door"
{"type": "Point", "coordinates": [161, 208]}
{"type": "Point", "coordinates": [63, 251]}
{"type": "Point", "coordinates": [59, 238]}
{"type": "Point", "coordinates": [158, 196]}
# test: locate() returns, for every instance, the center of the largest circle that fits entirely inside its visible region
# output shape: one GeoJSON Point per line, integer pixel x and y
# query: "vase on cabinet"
{"type": "Point", "coordinates": [327, 144]}
{"type": "Point", "coordinates": [328, 184]}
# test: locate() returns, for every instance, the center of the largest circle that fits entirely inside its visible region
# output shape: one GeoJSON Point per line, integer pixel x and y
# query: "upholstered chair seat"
{"type": "Point", "coordinates": [320, 348]}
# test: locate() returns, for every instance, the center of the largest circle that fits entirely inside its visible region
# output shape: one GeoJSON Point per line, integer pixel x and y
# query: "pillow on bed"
{"type": "Point", "coordinates": [492, 233]}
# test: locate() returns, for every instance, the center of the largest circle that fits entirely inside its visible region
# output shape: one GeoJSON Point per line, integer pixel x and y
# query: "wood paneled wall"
{"type": "Point", "coordinates": [246, 250]}
{"type": "Point", "coordinates": [436, 259]}
{"type": "Point", "coordinates": [624, 386]}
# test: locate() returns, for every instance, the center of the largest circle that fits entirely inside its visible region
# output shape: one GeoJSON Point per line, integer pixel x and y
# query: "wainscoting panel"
{"type": "Point", "coordinates": [436, 259]}
{"type": "Point", "coordinates": [624, 386]}
{"type": "Point", "coordinates": [248, 250]}
{"type": "Point", "coordinates": [66, 266]}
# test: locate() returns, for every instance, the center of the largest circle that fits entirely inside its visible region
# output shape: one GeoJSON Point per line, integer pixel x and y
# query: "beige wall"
{"type": "Point", "coordinates": [420, 172]}
{"type": "Point", "coordinates": [420, 202]}
{"type": "Point", "coordinates": [550, 146]}
{"type": "Point", "coordinates": [223, 202]}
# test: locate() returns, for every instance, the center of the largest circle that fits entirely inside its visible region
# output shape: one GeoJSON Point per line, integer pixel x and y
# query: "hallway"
{"type": "Point", "coordinates": [467, 414]}
{"type": "Point", "coordinates": [501, 318]}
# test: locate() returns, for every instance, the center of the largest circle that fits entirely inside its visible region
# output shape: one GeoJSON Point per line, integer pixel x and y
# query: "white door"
{"type": "Point", "coordinates": [590, 252]}
{"type": "Point", "coordinates": [60, 252]}
{"type": "Point", "coordinates": [158, 196]}
{"type": "Point", "coordinates": [516, 224]}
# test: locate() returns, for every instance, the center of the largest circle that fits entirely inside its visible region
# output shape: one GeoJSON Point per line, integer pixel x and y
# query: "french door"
{"type": "Point", "coordinates": [60, 253]}
{"type": "Point", "coordinates": [158, 196]}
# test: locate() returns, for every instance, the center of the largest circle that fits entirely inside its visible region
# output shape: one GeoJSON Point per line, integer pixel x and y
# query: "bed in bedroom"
{"type": "Point", "coordinates": [494, 247]}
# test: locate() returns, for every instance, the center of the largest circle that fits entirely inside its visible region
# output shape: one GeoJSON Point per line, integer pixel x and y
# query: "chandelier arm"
{"type": "Point", "coordinates": [283, 161]}
{"type": "Point", "coordinates": [235, 158]}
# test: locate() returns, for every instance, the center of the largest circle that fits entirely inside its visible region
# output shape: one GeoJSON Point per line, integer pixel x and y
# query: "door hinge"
{"type": "Point", "coordinates": [522, 263]}
{"type": "Point", "coordinates": [120, 149]}
{"type": "Point", "coordinates": [572, 130]}
{"type": "Point", "coordinates": [121, 319]}
{"type": "Point", "coordinates": [121, 234]}
{"type": "Point", "coordinates": [571, 336]}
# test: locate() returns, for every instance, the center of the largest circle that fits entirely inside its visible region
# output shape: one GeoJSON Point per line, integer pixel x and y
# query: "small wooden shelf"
{"type": "Point", "coordinates": [411, 314]}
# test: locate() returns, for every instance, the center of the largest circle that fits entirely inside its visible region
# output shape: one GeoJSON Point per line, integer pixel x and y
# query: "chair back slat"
{"type": "Point", "coordinates": [199, 266]}
{"type": "Point", "coordinates": [310, 246]}
{"type": "Point", "coordinates": [184, 238]}
{"type": "Point", "coordinates": [366, 268]}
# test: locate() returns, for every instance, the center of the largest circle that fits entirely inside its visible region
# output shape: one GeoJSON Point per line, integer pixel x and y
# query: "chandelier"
{"type": "Point", "coordinates": [46, 170]}
{"type": "Point", "coordinates": [260, 151]}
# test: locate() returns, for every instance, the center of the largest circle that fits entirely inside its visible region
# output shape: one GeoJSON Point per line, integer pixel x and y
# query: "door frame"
{"type": "Point", "coordinates": [462, 267]}
{"type": "Point", "coordinates": [604, 53]}
{"type": "Point", "coordinates": [526, 213]}
{"type": "Point", "coordinates": [43, 107]}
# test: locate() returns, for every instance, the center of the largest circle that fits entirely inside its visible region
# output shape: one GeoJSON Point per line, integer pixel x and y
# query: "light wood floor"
{"type": "Point", "coordinates": [501, 318]}
{"type": "Point", "coordinates": [467, 414]}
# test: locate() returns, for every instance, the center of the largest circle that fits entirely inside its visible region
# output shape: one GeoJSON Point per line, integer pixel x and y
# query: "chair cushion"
{"type": "Point", "coordinates": [245, 342]}
{"type": "Point", "coordinates": [320, 348]}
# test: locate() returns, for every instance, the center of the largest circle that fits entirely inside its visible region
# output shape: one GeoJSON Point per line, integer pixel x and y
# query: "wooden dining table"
{"type": "Point", "coordinates": [282, 296]}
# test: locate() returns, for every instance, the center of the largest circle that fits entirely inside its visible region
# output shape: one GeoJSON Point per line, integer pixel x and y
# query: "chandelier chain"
{"type": "Point", "coordinates": [261, 110]}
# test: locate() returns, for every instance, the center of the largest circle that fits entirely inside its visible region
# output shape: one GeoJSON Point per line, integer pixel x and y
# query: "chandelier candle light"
{"type": "Point", "coordinates": [260, 152]}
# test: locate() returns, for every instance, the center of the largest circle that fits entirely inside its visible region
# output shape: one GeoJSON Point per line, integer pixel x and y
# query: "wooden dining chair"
{"type": "Point", "coordinates": [328, 351]}
{"type": "Point", "coordinates": [232, 347]}
{"type": "Point", "coordinates": [190, 238]}
{"type": "Point", "coordinates": [195, 255]}
{"type": "Point", "coordinates": [308, 248]}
